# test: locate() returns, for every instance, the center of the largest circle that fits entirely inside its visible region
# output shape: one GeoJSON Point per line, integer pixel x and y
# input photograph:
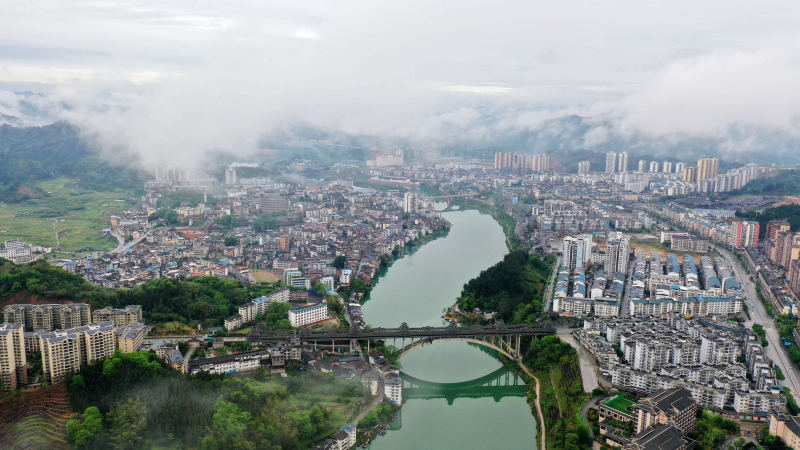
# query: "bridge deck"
{"type": "Point", "coordinates": [397, 333]}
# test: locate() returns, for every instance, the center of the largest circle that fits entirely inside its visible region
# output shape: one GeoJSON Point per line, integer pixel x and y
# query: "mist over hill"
{"type": "Point", "coordinates": [34, 154]}
{"type": "Point", "coordinates": [37, 146]}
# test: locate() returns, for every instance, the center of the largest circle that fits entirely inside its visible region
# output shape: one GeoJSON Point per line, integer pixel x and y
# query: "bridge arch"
{"type": "Point", "coordinates": [480, 381]}
{"type": "Point", "coordinates": [432, 340]}
{"type": "Point", "coordinates": [498, 384]}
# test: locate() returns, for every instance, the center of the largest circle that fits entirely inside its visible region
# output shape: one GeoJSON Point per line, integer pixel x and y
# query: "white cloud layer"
{"type": "Point", "coordinates": [171, 80]}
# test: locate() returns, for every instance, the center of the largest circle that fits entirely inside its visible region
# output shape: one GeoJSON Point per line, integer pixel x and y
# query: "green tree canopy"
{"type": "Point", "coordinates": [340, 261]}
{"type": "Point", "coordinates": [84, 429]}
{"type": "Point", "coordinates": [266, 222]}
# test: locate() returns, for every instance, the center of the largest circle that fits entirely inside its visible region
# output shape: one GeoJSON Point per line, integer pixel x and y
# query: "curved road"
{"type": "Point", "coordinates": [528, 372]}
{"type": "Point", "coordinates": [121, 245]}
{"type": "Point", "coordinates": [585, 411]}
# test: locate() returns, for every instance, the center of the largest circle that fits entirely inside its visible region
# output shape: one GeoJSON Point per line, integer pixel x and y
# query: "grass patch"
{"type": "Point", "coordinates": [172, 329]}
{"type": "Point", "coordinates": [620, 403]}
{"type": "Point", "coordinates": [78, 216]}
{"type": "Point", "coordinates": [241, 331]}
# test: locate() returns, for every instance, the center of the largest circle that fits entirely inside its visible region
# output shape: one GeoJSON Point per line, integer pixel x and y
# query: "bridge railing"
{"type": "Point", "coordinates": [401, 332]}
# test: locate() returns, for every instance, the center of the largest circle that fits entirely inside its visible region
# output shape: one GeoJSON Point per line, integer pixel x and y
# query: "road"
{"type": "Point", "coordinates": [176, 339]}
{"type": "Point", "coordinates": [548, 296]}
{"type": "Point", "coordinates": [585, 411]}
{"type": "Point", "coordinates": [625, 306]}
{"type": "Point", "coordinates": [187, 357]}
{"type": "Point", "coordinates": [588, 364]}
{"type": "Point", "coordinates": [121, 245]}
{"type": "Point", "coordinates": [758, 314]}
{"type": "Point", "coordinates": [375, 401]}
{"type": "Point", "coordinates": [543, 430]}
{"type": "Point", "coordinates": [735, 438]}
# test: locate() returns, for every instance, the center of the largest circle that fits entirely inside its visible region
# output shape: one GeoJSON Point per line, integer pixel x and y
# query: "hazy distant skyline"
{"type": "Point", "coordinates": [188, 77]}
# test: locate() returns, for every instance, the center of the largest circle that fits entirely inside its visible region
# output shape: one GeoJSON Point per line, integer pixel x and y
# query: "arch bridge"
{"type": "Point", "coordinates": [506, 339]}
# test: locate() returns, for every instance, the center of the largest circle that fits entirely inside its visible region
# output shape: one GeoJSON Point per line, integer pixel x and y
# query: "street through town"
{"type": "Point", "coordinates": [758, 314]}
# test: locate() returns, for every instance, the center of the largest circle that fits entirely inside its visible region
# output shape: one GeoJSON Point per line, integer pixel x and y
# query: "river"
{"type": "Point", "coordinates": [416, 289]}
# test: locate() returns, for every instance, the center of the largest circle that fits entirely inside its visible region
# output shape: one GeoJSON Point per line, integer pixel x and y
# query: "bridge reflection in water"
{"type": "Point", "coordinates": [498, 384]}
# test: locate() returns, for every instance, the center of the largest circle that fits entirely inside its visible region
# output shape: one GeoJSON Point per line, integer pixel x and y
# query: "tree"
{"type": "Point", "coordinates": [227, 222]}
{"type": "Point", "coordinates": [334, 305]}
{"type": "Point", "coordinates": [128, 424]}
{"type": "Point", "coordinates": [231, 241]}
{"type": "Point", "coordinates": [82, 431]}
{"type": "Point", "coordinates": [168, 216]}
{"type": "Point", "coordinates": [266, 222]}
{"type": "Point", "coordinates": [359, 286]}
{"type": "Point", "coordinates": [319, 288]}
{"type": "Point", "coordinates": [339, 262]}
{"type": "Point", "coordinates": [584, 435]}
{"type": "Point", "coordinates": [229, 428]}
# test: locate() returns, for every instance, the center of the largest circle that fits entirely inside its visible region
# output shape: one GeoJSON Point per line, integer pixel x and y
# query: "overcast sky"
{"type": "Point", "coordinates": [181, 77]}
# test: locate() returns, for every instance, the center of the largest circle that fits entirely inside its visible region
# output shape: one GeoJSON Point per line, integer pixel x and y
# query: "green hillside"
{"type": "Point", "coordinates": [31, 155]}
{"type": "Point", "coordinates": [786, 182]}
{"type": "Point", "coordinates": [514, 288]}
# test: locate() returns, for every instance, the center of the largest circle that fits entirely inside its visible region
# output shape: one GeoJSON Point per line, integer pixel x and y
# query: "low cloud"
{"type": "Point", "coordinates": [707, 96]}
{"type": "Point", "coordinates": [172, 82]}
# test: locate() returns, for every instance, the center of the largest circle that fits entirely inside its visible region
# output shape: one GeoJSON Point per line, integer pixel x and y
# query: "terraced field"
{"type": "Point", "coordinates": [35, 419]}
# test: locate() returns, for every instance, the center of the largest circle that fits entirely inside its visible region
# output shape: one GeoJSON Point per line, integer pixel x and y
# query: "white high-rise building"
{"type": "Point", "coordinates": [569, 253]}
{"type": "Point", "coordinates": [642, 165]}
{"type": "Point", "coordinates": [611, 162]}
{"type": "Point", "coordinates": [623, 162]}
{"type": "Point", "coordinates": [584, 248]}
{"type": "Point", "coordinates": [653, 166]}
{"type": "Point", "coordinates": [408, 202]}
{"type": "Point", "coordinates": [64, 352]}
{"type": "Point", "coordinates": [576, 251]}
{"type": "Point", "coordinates": [13, 362]}
{"type": "Point", "coordinates": [583, 167]}
{"type": "Point", "coordinates": [230, 176]}
{"type": "Point", "coordinates": [667, 167]}
{"type": "Point", "coordinates": [679, 167]}
{"type": "Point", "coordinates": [616, 253]}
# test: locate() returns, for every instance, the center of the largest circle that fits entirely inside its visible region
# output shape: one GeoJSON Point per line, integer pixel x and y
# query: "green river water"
{"type": "Point", "coordinates": [415, 290]}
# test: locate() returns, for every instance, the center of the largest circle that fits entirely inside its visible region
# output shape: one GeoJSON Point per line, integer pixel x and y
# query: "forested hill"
{"type": "Point", "coordinates": [786, 182]}
{"type": "Point", "coordinates": [34, 154]}
{"type": "Point", "coordinates": [514, 287]}
{"type": "Point", "coordinates": [790, 213]}
{"type": "Point", "coordinates": [206, 300]}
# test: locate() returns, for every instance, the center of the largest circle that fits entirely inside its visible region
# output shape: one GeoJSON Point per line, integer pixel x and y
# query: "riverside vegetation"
{"type": "Point", "coordinates": [514, 289]}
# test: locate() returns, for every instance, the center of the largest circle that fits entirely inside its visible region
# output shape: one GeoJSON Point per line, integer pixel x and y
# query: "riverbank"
{"type": "Point", "coordinates": [508, 223]}
{"type": "Point", "coordinates": [375, 422]}
{"type": "Point", "coordinates": [409, 248]}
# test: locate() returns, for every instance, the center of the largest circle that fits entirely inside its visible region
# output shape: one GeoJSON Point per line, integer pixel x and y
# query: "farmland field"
{"type": "Point", "coordinates": [77, 215]}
